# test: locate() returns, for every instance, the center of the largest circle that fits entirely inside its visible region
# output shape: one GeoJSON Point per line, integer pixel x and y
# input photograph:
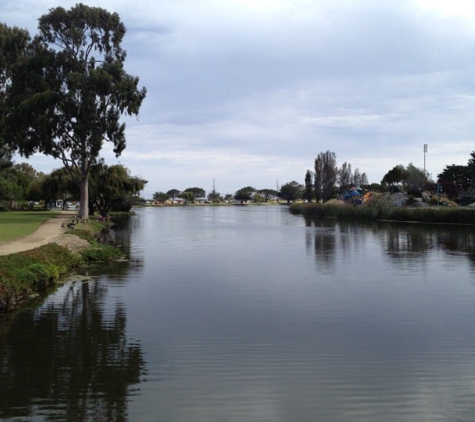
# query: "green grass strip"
{"type": "Point", "coordinates": [17, 224]}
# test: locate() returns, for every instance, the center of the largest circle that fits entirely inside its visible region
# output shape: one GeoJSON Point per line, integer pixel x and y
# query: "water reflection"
{"type": "Point", "coordinates": [249, 313]}
{"type": "Point", "coordinates": [70, 359]}
{"type": "Point", "coordinates": [323, 242]}
{"type": "Point", "coordinates": [333, 241]}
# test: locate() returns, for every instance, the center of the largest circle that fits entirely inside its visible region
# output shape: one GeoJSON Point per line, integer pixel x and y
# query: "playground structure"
{"type": "Point", "coordinates": [356, 196]}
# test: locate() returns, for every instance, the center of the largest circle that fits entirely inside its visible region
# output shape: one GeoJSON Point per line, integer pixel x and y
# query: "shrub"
{"type": "Point", "coordinates": [27, 272]}
{"type": "Point", "coordinates": [103, 253]}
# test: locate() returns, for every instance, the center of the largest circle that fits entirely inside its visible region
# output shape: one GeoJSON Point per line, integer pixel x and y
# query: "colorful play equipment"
{"type": "Point", "coordinates": [356, 196]}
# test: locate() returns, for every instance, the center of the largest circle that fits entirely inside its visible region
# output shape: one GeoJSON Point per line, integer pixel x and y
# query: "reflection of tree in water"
{"type": "Point", "coordinates": [458, 240]}
{"type": "Point", "coordinates": [335, 240]}
{"type": "Point", "coordinates": [122, 231]}
{"type": "Point", "coordinates": [412, 241]}
{"type": "Point", "coordinates": [323, 243]}
{"type": "Point", "coordinates": [125, 228]}
{"type": "Point", "coordinates": [69, 361]}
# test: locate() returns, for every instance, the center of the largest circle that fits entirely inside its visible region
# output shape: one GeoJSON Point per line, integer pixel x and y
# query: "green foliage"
{"type": "Point", "coordinates": [27, 272]}
{"type": "Point", "coordinates": [111, 187]}
{"type": "Point", "coordinates": [16, 224]}
{"type": "Point", "coordinates": [88, 231]}
{"type": "Point", "coordinates": [197, 192]}
{"type": "Point", "coordinates": [70, 89]}
{"type": "Point", "coordinates": [291, 191]}
{"type": "Point", "coordinates": [258, 198]}
{"type": "Point", "coordinates": [415, 179]}
{"type": "Point", "coordinates": [345, 177]}
{"type": "Point", "coordinates": [13, 45]}
{"type": "Point", "coordinates": [394, 176]}
{"type": "Point", "coordinates": [15, 180]}
{"type": "Point", "coordinates": [172, 193]}
{"type": "Point", "coordinates": [244, 194]}
{"type": "Point", "coordinates": [187, 196]}
{"type": "Point", "coordinates": [268, 193]}
{"type": "Point", "coordinates": [8, 190]}
{"type": "Point", "coordinates": [439, 215]}
{"type": "Point", "coordinates": [458, 176]}
{"type": "Point", "coordinates": [59, 184]}
{"type": "Point", "coordinates": [161, 196]}
{"type": "Point", "coordinates": [104, 253]}
{"type": "Point", "coordinates": [309, 193]}
{"type": "Point", "coordinates": [97, 252]}
{"type": "Point", "coordinates": [325, 175]}
{"type": "Point", "coordinates": [412, 179]}
{"type": "Point", "coordinates": [215, 197]}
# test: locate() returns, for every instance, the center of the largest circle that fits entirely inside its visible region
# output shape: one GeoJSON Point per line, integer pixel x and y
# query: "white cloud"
{"type": "Point", "coordinates": [250, 92]}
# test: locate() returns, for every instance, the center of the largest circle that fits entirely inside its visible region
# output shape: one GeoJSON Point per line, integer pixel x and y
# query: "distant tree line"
{"type": "Point", "coordinates": [327, 181]}
{"type": "Point", "coordinates": [191, 195]}
{"type": "Point", "coordinates": [111, 188]}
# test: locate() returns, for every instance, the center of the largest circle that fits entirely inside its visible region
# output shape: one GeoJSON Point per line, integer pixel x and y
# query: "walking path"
{"type": "Point", "coordinates": [49, 232]}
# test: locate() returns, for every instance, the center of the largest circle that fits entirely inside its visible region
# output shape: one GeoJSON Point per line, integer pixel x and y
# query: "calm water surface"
{"type": "Point", "coordinates": [252, 314]}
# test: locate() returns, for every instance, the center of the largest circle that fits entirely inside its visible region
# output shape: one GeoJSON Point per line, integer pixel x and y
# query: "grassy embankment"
{"type": "Point", "coordinates": [27, 273]}
{"type": "Point", "coordinates": [432, 215]}
{"type": "Point", "coordinates": [17, 224]}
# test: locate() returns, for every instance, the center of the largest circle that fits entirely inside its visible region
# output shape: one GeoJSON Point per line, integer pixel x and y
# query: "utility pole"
{"type": "Point", "coordinates": [214, 192]}
{"type": "Point", "coordinates": [425, 151]}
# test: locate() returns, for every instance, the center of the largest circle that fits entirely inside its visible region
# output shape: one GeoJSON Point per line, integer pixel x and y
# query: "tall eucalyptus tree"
{"type": "Point", "coordinates": [71, 91]}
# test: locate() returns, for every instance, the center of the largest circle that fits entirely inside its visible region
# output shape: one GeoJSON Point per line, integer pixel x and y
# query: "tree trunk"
{"type": "Point", "coordinates": [84, 198]}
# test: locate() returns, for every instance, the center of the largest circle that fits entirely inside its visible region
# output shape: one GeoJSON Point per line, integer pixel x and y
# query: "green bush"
{"type": "Point", "coordinates": [28, 272]}
{"type": "Point", "coordinates": [102, 253]}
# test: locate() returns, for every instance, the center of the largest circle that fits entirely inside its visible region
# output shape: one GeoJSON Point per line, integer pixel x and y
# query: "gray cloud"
{"type": "Point", "coordinates": [250, 92]}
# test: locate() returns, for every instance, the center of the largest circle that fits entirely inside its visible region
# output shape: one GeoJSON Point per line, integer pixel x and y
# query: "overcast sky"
{"type": "Point", "coordinates": [249, 92]}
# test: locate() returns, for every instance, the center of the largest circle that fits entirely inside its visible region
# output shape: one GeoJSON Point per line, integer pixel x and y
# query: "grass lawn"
{"type": "Point", "coordinates": [17, 224]}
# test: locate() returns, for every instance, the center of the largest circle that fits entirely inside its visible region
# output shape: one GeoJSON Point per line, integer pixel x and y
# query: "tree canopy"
{"type": "Point", "coordinates": [197, 192]}
{"type": "Point", "coordinates": [394, 176]}
{"type": "Point", "coordinates": [172, 193]}
{"type": "Point", "coordinates": [267, 193]}
{"type": "Point", "coordinates": [456, 178]}
{"type": "Point", "coordinates": [291, 191]}
{"type": "Point", "coordinates": [58, 185]}
{"type": "Point", "coordinates": [325, 175]}
{"type": "Point", "coordinates": [112, 187]}
{"type": "Point", "coordinates": [13, 46]}
{"type": "Point", "coordinates": [309, 193]}
{"type": "Point", "coordinates": [70, 91]}
{"type": "Point", "coordinates": [160, 196]}
{"type": "Point", "coordinates": [345, 177]}
{"type": "Point", "coordinates": [244, 194]}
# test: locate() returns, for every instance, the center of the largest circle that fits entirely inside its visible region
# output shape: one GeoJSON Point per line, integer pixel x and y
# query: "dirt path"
{"type": "Point", "coordinates": [49, 232]}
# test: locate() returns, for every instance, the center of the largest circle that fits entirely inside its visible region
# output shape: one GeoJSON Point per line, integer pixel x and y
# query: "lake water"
{"type": "Point", "coordinates": [253, 314]}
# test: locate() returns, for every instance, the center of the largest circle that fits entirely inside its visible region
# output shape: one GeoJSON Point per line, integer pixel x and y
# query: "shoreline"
{"type": "Point", "coordinates": [30, 265]}
{"type": "Point", "coordinates": [51, 231]}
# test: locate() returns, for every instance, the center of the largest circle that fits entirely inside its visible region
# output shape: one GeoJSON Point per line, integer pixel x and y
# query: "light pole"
{"type": "Point", "coordinates": [425, 151]}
